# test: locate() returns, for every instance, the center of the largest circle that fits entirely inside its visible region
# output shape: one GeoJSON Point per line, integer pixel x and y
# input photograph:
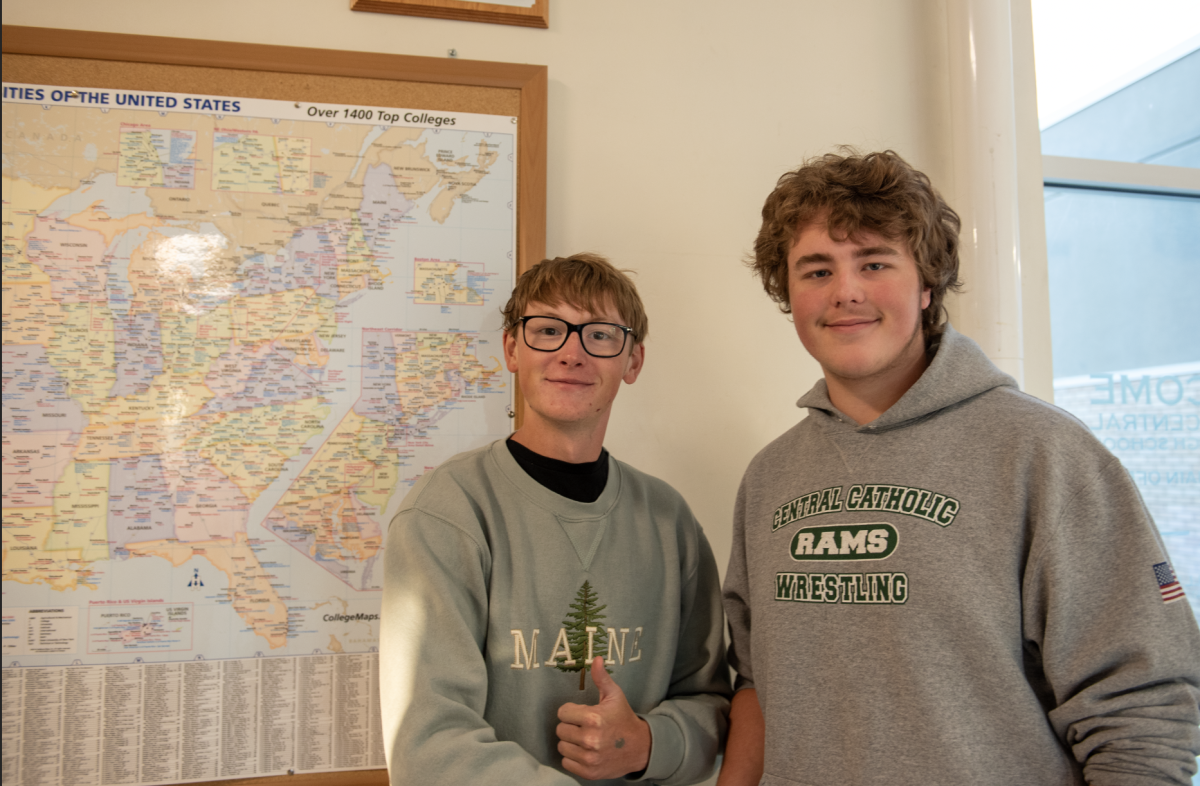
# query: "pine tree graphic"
{"type": "Point", "coordinates": [585, 614]}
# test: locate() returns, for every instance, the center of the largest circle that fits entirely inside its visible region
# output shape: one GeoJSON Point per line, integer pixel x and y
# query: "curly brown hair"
{"type": "Point", "coordinates": [589, 282]}
{"type": "Point", "coordinates": [852, 193]}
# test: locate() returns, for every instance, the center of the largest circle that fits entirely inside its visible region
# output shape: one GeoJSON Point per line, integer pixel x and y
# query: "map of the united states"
{"type": "Point", "coordinates": [213, 348]}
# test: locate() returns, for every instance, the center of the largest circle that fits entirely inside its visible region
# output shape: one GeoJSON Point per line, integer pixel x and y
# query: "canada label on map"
{"type": "Point", "coordinates": [235, 332]}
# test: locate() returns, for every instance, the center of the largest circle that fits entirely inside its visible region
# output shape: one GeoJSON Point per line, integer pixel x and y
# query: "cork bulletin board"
{"type": "Point", "coordinates": [80, 59]}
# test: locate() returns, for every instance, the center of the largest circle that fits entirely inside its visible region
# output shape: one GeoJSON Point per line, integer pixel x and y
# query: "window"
{"type": "Point", "coordinates": [1121, 160]}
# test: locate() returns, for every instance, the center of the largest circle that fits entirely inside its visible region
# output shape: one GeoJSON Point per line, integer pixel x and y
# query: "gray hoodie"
{"type": "Point", "coordinates": [965, 591]}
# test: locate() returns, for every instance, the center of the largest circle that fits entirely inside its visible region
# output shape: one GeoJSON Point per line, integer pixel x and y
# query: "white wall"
{"type": "Point", "coordinates": [669, 122]}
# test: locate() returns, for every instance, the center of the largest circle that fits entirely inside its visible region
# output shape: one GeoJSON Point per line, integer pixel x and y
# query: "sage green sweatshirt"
{"type": "Point", "coordinates": [490, 584]}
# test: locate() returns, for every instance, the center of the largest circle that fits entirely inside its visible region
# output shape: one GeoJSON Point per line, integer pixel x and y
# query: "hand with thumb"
{"type": "Point", "coordinates": [604, 740]}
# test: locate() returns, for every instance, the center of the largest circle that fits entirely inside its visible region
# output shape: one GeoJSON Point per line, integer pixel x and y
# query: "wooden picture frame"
{"type": "Point", "coordinates": [87, 59]}
{"type": "Point", "coordinates": [537, 15]}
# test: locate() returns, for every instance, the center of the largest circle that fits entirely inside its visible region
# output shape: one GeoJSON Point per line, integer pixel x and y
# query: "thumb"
{"type": "Point", "coordinates": [604, 681]}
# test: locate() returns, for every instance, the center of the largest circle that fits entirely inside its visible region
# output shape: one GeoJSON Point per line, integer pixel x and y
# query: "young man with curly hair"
{"type": "Point", "coordinates": [936, 578]}
{"type": "Point", "coordinates": [514, 570]}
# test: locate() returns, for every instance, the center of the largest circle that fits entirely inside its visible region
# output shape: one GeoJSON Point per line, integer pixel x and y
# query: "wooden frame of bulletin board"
{"type": "Point", "coordinates": [87, 59]}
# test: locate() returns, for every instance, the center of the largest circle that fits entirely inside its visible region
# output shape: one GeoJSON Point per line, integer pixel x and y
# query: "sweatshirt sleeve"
{"type": "Point", "coordinates": [737, 599]}
{"type": "Point", "coordinates": [688, 727]}
{"type": "Point", "coordinates": [1122, 663]}
{"type": "Point", "coordinates": [433, 678]}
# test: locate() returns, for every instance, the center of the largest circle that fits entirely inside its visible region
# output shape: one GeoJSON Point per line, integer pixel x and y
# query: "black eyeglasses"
{"type": "Point", "coordinates": [550, 334]}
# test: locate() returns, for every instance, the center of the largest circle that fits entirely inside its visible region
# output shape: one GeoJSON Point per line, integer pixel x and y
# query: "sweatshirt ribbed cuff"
{"type": "Point", "coordinates": [666, 748]}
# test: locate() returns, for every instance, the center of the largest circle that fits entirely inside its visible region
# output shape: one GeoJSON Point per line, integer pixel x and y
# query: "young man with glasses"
{"type": "Point", "coordinates": [514, 570]}
{"type": "Point", "coordinates": [935, 578]}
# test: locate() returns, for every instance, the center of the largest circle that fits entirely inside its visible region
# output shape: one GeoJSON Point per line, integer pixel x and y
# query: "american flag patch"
{"type": "Point", "coordinates": [1168, 585]}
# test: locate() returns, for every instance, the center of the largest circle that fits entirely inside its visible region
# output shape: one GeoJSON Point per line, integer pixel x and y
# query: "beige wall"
{"type": "Point", "coordinates": [668, 124]}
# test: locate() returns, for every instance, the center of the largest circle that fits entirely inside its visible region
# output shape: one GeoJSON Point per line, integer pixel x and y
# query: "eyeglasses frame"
{"type": "Point", "coordinates": [571, 328]}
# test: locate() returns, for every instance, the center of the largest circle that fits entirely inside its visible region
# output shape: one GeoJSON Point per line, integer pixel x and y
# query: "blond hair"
{"type": "Point", "coordinates": [586, 281]}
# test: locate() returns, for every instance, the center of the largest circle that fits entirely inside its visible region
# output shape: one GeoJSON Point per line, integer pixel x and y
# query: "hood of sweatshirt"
{"type": "Point", "coordinates": [959, 371]}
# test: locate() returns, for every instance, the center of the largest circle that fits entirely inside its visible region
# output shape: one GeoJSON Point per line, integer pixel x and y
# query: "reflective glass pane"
{"type": "Point", "coordinates": [1125, 322]}
{"type": "Point", "coordinates": [1155, 120]}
